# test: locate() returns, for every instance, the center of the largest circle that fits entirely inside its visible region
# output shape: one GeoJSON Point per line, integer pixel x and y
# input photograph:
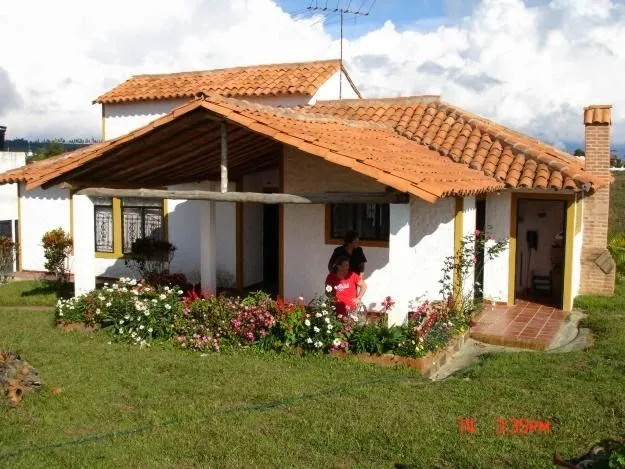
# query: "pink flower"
{"type": "Point", "coordinates": [474, 260]}
{"type": "Point", "coordinates": [477, 233]}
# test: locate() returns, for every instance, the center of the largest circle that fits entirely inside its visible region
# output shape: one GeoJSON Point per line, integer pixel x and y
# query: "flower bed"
{"type": "Point", "coordinates": [141, 314]}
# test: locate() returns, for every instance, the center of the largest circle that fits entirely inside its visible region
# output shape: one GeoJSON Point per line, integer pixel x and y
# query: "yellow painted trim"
{"type": "Point", "coordinates": [569, 237]}
{"type": "Point", "coordinates": [458, 235]}
{"type": "Point", "coordinates": [165, 220]}
{"type": "Point", "coordinates": [71, 218]}
{"type": "Point", "coordinates": [103, 123]}
{"type": "Point", "coordinates": [19, 227]}
{"type": "Point", "coordinates": [512, 250]}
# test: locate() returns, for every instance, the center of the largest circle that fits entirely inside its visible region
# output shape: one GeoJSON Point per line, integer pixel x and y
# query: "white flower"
{"type": "Point", "coordinates": [60, 314]}
{"type": "Point", "coordinates": [317, 315]}
{"type": "Point", "coordinates": [146, 313]}
{"type": "Point", "coordinates": [141, 327]}
{"type": "Point", "coordinates": [329, 327]}
{"type": "Point", "coordinates": [301, 298]}
{"type": "Point", "coordinates": [106, 284]}
{"type": "Point", "coordinates": [336, 341]}
{"type": "Point", "coordinates": [154, 300]}
{"type": "Point", "coordinates": [324, 312]}
{"type": "Point", "coordinates": [166, 288]}
{"type": "Point", "coordinates": [162, 296]}
{"type": "Point", "coordinates": [150, 330]}
{"type": "Point", "coordinates": [329, 288]}
{"type": "Point", "coordinates": [71, 307]}
{"type": "Point", "coordinates": [180, 292]}
{"type": "Point", "coordinates": [133, 334]}
{"type": "Point", "coordinates": [309, 341]}
{"type": "Point", "coordinates": [133, 282]}
{"type": "Point", "coordinates": [127, 317]}
{"type": "Point", "coordinates": [316, 329]}
{"type": "Point", "coordinates": [108, 305]}
{"type": "Point", "coordinates": [340, 316]}
{"type": "Point", "coordinates": [97, 311]}
{"type": "Point", "coordinates": [449, 323]}
{"type": "Point", "coordinates": [135, 292]}
{"type": "Point", "coordinates": [167, 307]}
{"type": "Point", "coordinates": [115, 287]}
{"type": "Point", "coordinates": [121, 331]}
{"type": "Point", "coordinates": [318, 344]}
{"type": "Point", "coordinates": [307, 322]}
{"type": "Point", "coordinates": [327, 320]}
{"type": "Point", "coordinates": [121, 321]}
{"type": "Point", "coordinates": [101, 297]}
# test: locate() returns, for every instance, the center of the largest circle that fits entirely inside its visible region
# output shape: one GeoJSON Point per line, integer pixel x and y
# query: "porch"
{"type": "Point", "coordinates": [525, 324]}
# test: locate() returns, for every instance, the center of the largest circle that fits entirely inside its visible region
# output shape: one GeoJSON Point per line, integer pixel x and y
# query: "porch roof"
{"type": "Point", "coordinates": [184, 146]}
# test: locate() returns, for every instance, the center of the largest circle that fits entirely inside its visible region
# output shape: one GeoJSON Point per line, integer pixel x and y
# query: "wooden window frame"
{"type": "Point", "coordinates": [334, 241]}
{"type": "Point", "coordinates": [118, 231]}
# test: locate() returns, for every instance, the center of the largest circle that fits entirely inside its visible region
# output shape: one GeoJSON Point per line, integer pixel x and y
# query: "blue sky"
{"type": "Point", "coordinates": [423, 14]}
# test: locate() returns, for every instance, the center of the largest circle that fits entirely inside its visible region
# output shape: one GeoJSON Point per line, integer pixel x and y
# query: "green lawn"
{"type": "Point", "coordinates": [617, 203]}
{"type": "Point", "coordinates": [126, 407]}
{"type": "Point", "coordinates": [31, 293]}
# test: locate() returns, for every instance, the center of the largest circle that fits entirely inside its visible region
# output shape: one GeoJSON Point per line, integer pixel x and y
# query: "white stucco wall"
{"type": "Point", "coordinates": [330, 89]}
{"type": "Point", "coordinates": [577, 247]}
{"type": "Point", "coordinates": [496, 273]}
{"type": "Point", "coordinates": [468, 228]}
{"type": "Point", "coordinates": [119, 119]}
{"type": "Point", "coordinates": [41, 211]}
{"type": "Point", "coordinates": [8, 192]}
{"type": "Point", "coordinates": [306, 253]}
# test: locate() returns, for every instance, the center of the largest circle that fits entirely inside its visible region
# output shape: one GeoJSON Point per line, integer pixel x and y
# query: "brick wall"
{"type": "Point", "coordinates": [593, 280]}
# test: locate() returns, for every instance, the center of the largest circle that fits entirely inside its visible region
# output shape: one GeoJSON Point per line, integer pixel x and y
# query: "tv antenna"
{"type": "Point", "coordinates": [341, 12]}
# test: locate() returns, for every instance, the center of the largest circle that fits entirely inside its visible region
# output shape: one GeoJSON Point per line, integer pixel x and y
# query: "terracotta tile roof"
{"type": "Point", "coordinates": [507, 156]}
{"type": "Point", "coordinates": [375, 150]}
{"type": "Point", "coordinates": [598, 114]}
{"type": "Point", "coordinates": [261, 80]}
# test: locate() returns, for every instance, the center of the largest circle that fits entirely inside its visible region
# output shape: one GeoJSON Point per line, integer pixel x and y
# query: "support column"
{"type": "Point", "coordinates": [399, 259]}
{"type": "Point", "coordinates": [84, 244]}
{"type": "Point", "coordinates": [208, 247]}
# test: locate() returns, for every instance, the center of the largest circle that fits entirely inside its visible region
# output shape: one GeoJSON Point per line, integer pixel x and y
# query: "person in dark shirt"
{"type": "Point", "coordinates": [352, 251]}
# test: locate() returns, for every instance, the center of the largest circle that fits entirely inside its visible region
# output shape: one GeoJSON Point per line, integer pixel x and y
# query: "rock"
{"type": "Point", "coordinates": [16, 377]}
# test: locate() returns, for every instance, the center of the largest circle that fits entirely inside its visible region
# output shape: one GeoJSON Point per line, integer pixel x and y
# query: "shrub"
{"type": "Point", "coordinates": [150, 258]}
{"type": "Point", "coordinates": [321, 329]}
{"type": "Point", "coordinates": [616, 245]}
{"type": "Point", "coordinates": [254, 319]}
{"type": "Point", "coordinates": [57, 246]}
{"type": "Point", "coordinates": [7, 258]}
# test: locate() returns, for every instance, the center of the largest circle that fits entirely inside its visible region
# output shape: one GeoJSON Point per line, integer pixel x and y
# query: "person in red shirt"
{"type": "Point", "coordinates": [348, 287]}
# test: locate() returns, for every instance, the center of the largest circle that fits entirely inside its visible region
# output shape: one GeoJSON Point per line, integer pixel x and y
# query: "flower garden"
{"type": "Point", "coordinates": [143, 315]}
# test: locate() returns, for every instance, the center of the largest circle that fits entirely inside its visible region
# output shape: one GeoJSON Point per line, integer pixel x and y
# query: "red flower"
{"type": "Point", "coordinates": [477, 233]}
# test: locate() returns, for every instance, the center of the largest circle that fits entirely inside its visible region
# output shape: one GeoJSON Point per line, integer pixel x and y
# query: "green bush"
{"type": "Point", "coordinates": [616, 245]}
{"type": "Point", "coordinates": [57, 246]}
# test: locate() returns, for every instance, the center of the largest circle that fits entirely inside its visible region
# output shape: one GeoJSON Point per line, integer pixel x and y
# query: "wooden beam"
{"type": "Point", "coordinates": [224, 157]}
{"type": "Point", "coordinates": [253, 197]}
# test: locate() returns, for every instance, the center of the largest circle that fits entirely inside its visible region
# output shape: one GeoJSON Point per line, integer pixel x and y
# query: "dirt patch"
{"type": "Point", "coordinates": [16, 377]}
{"type": "Point", "coordinates": [75, 326]}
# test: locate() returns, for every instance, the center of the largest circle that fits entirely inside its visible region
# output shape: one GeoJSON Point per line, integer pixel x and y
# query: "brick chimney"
{"type": "Point", "coordinates": [597, 266]}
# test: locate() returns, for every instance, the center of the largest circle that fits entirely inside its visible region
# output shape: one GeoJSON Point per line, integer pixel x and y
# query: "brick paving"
{"type": "Point", "coordinates": [526, 324]}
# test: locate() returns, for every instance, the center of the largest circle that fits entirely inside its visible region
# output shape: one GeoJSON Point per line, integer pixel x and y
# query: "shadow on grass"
{"type": "Point", "coordinates": [58, 289]}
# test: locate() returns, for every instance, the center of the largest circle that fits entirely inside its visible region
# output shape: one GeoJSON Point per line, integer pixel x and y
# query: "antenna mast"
{"type": "Point", "coordinates": [341, 12]}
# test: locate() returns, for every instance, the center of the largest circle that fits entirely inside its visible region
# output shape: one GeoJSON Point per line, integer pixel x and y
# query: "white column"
{"type": "Point", "coordinates": [208, 246]}
{"type": "Point", "coordinates": [399, 256]}
{"type": "Point", "coordinates": [84, 244]}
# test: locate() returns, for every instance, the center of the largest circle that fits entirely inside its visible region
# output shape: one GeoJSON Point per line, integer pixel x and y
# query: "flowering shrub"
{"type": "Point", "coordinates": [57, 245]}
{"type": "Point", "coordinates": [7, 257]}
{"type": "Point", "coordinates": [134, 311]}
{"type": "Point", "coordinates": [254, 320]}
{"type": "Point", "coordinates": [289, 318]}
{"type": "Point", "coordinates": [322, 329]}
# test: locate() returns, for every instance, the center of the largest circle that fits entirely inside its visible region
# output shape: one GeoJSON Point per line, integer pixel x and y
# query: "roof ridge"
{"type": "Point", "coordinates": [417, 99]}
{"type": "Point", "coordinates": [293, 113]}
{"type": "Point", "coordinates": [237, 68]}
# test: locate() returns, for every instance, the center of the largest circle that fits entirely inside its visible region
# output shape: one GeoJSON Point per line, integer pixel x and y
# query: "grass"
{"type": "Point", "coordinates": [31, 293]}
{"type": "Point", "coordinates": [249, 409]}
{"type": "Point", "coordinates": [617, 203]}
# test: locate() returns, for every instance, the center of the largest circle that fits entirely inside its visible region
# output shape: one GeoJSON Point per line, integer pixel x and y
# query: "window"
{"type": "Point", "coordinates": [5, 229]}
{"type": "Point", "coordinates": [371, 221]}
{"type": "Point", "coordinates": [141, 218]}
{"type": "Point", "coordinates": [103, 212]}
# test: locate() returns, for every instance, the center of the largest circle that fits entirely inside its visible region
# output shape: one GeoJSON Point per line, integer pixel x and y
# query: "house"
{"type": "Point", "coordinates": [262, 172]}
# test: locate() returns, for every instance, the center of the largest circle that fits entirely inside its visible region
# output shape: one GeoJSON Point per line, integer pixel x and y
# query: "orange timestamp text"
{"type": "Point", "coordinates": [507, 426]}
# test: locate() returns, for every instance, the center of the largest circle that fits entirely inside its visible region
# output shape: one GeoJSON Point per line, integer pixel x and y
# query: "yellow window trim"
{"type": "Point", "coordinates": [117, 230]}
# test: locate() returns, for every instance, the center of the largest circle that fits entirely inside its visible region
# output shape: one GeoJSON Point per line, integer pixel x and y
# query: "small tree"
{"type": "Point", "coordinates": [57, 246]}
{"type": "Point", "coordinates": [457, 269]}
{"type": "Point", "coordinates": [7, 258]}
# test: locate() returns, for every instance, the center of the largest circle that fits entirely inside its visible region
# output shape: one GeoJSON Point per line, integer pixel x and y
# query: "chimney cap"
{"type": "Point", "coordinates": [598, 114]}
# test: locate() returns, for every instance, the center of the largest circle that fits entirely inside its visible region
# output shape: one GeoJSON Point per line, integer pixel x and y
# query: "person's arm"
{"type": "Point", "coordinates": [362, 289]}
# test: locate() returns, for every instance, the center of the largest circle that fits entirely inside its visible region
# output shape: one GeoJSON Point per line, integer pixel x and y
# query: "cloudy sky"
{"type": "Point", "coordinates": [531, 64]}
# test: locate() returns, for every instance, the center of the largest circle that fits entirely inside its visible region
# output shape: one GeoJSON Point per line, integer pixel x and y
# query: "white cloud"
{"type": "Point", "coordinates": [530, 66]}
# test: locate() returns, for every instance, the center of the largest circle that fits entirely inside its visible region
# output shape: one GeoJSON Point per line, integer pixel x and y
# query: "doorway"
{"type": "Point", "coordinates": [540, 251]}
{"type": "Point", "coordinates": [271, 247]}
